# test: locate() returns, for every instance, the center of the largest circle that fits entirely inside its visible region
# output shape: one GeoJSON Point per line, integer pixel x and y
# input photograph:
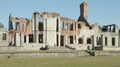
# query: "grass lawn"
{"type": "Point", "coordinates": [103, 61]}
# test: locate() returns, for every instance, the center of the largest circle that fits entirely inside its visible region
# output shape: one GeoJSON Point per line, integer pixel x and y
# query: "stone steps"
{"type": "Point", "coordinates": [59, 48]}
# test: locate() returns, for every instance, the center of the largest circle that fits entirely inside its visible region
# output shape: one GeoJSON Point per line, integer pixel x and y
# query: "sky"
{"type": "Point", "coordinates": [104, 12]}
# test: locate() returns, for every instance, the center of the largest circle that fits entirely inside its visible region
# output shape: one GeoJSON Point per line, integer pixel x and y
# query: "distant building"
{"type": "Point", "coordinates": [55, 31]}
{"type": "Point", "coordinates": [3, 36]}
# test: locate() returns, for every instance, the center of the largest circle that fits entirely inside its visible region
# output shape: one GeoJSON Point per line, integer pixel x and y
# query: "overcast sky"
{"type": "Point", "coordinates": [103, 12]}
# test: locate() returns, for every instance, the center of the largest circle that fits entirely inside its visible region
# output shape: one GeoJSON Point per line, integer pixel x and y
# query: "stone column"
{"type": "Point", "coordinates": [95, 43]}
{"type": "Point", "coordinates": [103, 40]}
{"type": "Point", "coordinates": [68, 39]}
{"type": "Point", "coordinates": [66, 42]}
{"type": "Point", "coordinates": [116, 41]}
{"type": "Point", "coordinates": [74, 24]}
{"type": "Point", "coordinates": [35, 27]}
{"type": "Point", "coordinates": [36, 31]}
{"type": "Point", "coordinates": [22, 39]}
{"type": "Point", "coordinates": [74, 38]}
{"type": "Point", "coordinates": [27, 38]}
{"type": "Point", "coordinates": [77, 40]}
{"type": "Point", "coordinates": [59, 40]}
{"type": "Point", "coordinates": [44, 30]}
{"type": "Point", "coordinates": [17, 39]}
{"type": "Point", "coordinates": [44, 37]}
{"type": "Point", "coordinates": [109, 41]}
{"type": "Point", "coordinates": [84, 40]}
{"type": "Point", "coordinates": [37, 37]}
{"type": "Point", "coordinates": [14, 39]}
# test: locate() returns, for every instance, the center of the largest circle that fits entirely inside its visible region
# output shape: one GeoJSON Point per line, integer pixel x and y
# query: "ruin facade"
{"type": "Point", "coordinates": [50, 29]}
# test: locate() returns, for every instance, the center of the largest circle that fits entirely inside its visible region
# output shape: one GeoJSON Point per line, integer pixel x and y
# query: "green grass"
{"type": "Point", "coordinates": [103, 61]}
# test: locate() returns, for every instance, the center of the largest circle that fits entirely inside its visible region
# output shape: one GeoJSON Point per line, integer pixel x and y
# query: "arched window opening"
{"type": "Point", "coordinates": [88, 41]}
{"type": "Point", "coordinates": [71, 39]}
{"type": "Point", "coordinates": [30, 38]}
{"type": "Point", "coordinates": [79, 26]}
{"type": "Point", "coordinates": [71, 26]}
{"type": "Point", "coordinates": [106, 39]}
{"type": "Point", "coordinates": [80, 40]}
{"type": "Point", "coordinates": [40, 24]}
{"type": "Point", "coordinates": [4, 36]}
{"type": "Point", "coordinates": [113, 41]}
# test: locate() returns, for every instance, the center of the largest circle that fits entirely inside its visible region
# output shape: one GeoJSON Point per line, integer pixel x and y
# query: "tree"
{"type": "Point", "coordinates": [1, 25]}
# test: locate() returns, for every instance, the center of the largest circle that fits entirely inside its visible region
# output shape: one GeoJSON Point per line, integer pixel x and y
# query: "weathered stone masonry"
{"type": "Point", "coordinates": [55, 31]}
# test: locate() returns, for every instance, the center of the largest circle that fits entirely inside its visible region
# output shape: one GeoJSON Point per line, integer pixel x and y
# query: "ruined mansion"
{"type": "Point", "coordinates": [52, 30]}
